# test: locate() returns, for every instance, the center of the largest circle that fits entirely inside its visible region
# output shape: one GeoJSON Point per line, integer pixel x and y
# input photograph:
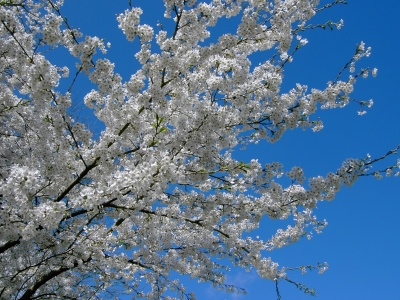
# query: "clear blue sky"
{"type": "Point", "coordinates": [362, 241]}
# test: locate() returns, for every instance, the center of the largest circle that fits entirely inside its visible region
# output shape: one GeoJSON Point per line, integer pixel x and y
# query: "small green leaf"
{"type": "Point", "coordinates": [153, 143]}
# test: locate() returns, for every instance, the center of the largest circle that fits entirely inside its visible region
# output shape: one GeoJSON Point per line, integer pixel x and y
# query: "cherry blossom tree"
{"type": "Point", "coordinates": [159, 190]}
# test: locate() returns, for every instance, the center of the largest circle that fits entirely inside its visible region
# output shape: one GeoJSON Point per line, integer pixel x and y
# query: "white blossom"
{"type": "Point", "coordinates": [84, 213]}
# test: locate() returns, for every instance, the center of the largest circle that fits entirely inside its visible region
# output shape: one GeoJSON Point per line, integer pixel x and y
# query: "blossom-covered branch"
{"type": "Point", "coordinates": [159, 189]}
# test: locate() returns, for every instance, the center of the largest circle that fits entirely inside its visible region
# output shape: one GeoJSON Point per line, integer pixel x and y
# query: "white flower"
{"type": "Point", "coordinates": [361, 112]}
{"type": "Point", "coordinates": [340, 25]}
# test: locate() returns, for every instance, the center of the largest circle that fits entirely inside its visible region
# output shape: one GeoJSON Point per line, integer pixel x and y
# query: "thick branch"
{"type": "Point", "coordinates": [9, 245]}
{"type": "Point", "coordinates": [32, 290]}
{"type": "Point", "coordinates": [77, 180]}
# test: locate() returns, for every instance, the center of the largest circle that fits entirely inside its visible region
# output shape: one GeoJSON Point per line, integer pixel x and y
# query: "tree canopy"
{"type": "Point", "coordinates": [87, 215]}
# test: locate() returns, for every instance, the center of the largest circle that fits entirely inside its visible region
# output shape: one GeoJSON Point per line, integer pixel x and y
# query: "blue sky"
{"type": "Point", "coordinates": [361, 243]}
